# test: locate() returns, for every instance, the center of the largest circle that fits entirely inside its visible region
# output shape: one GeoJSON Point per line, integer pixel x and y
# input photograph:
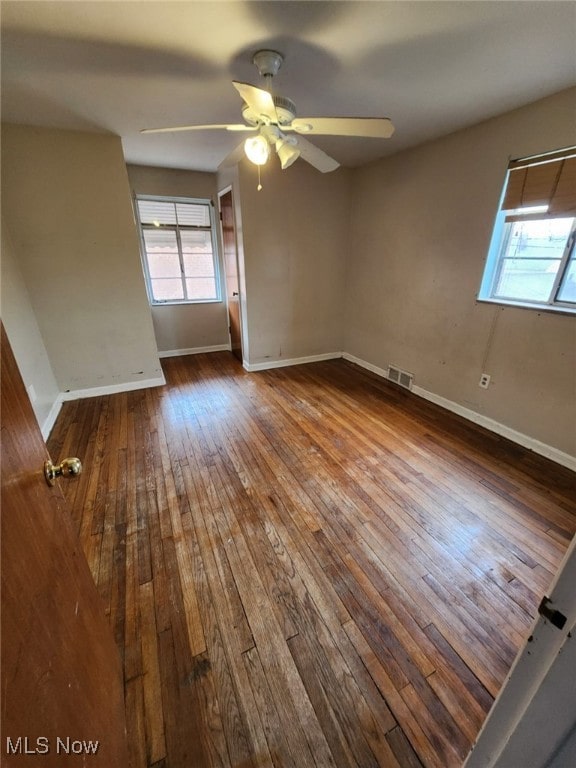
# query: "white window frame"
{"type": "Point", "coordinates": [176, 228]}
{"type": "Point", "coordinates": [497, 253]}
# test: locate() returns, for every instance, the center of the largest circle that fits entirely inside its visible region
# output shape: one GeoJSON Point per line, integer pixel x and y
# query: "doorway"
{"type": "Point", "coordinates": [230, 252]}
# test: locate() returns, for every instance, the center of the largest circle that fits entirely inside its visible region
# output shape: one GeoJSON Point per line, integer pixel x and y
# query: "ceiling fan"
{"type": "Point", "coordinates": [270, 117]}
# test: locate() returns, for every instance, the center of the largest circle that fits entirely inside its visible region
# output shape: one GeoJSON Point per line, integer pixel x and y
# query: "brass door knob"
{"type": "Point", "coordinates": [68, 468]}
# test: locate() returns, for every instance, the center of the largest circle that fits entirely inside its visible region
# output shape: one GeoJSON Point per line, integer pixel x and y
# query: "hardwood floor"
{"type": "Point", "coordinates": [308, 566]}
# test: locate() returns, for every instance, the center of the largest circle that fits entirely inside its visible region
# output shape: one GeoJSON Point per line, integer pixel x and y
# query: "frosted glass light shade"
{"type": "Point", "coordinates": [257, 149]}
{"type": "Point", "coordinates": [287, 153]}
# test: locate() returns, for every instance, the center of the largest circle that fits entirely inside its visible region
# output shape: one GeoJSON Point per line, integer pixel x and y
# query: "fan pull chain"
{"type": "Point", "coordinates": [259, 187]}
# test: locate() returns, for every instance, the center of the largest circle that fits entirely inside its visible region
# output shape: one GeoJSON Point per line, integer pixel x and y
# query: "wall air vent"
{"type": "Point", "coordinates": [398, 376]}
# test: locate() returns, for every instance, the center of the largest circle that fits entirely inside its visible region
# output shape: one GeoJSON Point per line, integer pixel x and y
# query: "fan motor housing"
{"type": "Point", "coordinates": [268, 62]}
{"type": "Point", "coordinates": [285, 109]}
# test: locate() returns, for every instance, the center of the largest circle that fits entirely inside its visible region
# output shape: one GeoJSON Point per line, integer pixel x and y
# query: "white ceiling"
{"type": "Point", "coordinates": [432, 67]}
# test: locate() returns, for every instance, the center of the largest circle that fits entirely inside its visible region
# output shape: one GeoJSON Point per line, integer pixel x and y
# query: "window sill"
{"type": "Point", "coordinates": [553, 308]}
{"type": "Point", "coordinates": [184, 303]}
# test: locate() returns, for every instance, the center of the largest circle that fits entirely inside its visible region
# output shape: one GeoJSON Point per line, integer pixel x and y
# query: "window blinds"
{"type": "Point", "coordinates": [159, 212]}
{"type": "Point", "coordinates": [547, 181]}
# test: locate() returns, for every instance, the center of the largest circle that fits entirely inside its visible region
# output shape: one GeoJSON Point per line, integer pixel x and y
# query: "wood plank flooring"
{"type": "Point", "coordinates": [308, 566]}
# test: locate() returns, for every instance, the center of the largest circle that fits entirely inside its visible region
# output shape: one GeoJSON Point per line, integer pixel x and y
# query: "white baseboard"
{"type": "Point", "coordinates": [500, 429]}
{"type": "Point", "coordinates": [112, 389]}
{"type": "Point", "coordinates": [194, 350]}
{"type": "Point", "coordinates": [267, 364]}
{"type": "Point", "coordinates": [50, 420]}
{"type": "Point", "coordinates": [368, 366]}
{"type": "Point", "coordinates": [556, 455]}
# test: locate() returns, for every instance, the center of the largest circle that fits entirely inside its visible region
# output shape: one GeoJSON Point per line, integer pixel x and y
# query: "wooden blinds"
{"type": "Point", "coordinates": [548, 180]}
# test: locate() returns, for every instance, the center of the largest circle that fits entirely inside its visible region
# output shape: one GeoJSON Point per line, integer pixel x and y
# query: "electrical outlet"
{"type": "Point", "coordinates": [484, 381]}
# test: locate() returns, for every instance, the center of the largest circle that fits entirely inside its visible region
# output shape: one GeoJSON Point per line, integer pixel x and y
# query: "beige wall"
{"type": "Point", "coordinates": [420, 229]}
{"type": "Point", "coordinates": [184, 326]}
{"type": "Point", "coordinates": [171, 182]}
{"type": "Point", "coordinates": [295, 234]}
{"type": "Point", "coordinates": [383, 263]}
{"type": "Point", "coordinates": [22, 329]}
{"type": "Point", "coordinates": [66, 200]}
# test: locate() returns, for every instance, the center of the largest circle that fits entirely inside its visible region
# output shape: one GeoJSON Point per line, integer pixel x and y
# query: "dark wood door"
{"type": "Point", "coordinates": [231, 267]}
{"type": "Point", "coordinates": [62, 692]}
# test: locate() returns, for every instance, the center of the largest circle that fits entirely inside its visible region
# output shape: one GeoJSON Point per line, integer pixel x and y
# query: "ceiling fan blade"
{"type": "Point", "coordinates": [259, 101]}
{"type": "Point", "coordinates": [373, 127]}
{"type": "Point", "coordinates": [316, 157]}
{"type": "Point", "coordinates": [239, 127]}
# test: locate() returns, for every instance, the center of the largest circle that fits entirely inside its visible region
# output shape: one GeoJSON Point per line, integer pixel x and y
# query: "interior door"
{"type": "Point", "coordinates": [62, 690]}
{"type": "Point", "coordinates": [231, 268]}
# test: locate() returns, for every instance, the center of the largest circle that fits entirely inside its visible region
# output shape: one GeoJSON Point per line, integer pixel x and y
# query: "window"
{"type": "Point", "coordinates": [532, 258]}
{"type": "Point", "coordinates": [178, 250]}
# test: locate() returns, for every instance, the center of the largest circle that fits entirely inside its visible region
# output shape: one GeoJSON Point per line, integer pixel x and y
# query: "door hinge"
{"type": "Point", "coordinates": [553, 616]}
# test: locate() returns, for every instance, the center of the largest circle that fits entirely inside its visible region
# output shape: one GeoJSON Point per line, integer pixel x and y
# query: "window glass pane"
{"type": "Point", "coordinates": [160, 241]}
{"type": "Point", "coordinates": [167, 290]}
{"type": "Point", "coordinates": [567, 290]}
{"type": "Point", "coordinates": [201, 288]}
{"type": "Point", "coordinates": [156, 212]}
{"type": "Point", "coordinates": [191, 214]}
{"type": "Point", "coordinates": [526, 279]}
{"type": "Point", "coordinates": [192, 242]}
{"type": "Point", "coordinates": [542, 239]}
{"type": "Point", "coordinates": [198, 265]}
{"type": "Point", "coordinates": [163, 264]}
{"type": "Point", "coordinates": [530, 259]}
{"type": "Point", "coordinates": [162, 253]}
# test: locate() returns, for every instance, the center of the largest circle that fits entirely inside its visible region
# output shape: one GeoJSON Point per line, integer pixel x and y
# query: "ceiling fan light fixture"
{"type": "Point", "coordinates": [269, 116]}
{"type": "Point", "coordinates": [286, 152]}
{"type": "Point", "coordinates": [257, 149]}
